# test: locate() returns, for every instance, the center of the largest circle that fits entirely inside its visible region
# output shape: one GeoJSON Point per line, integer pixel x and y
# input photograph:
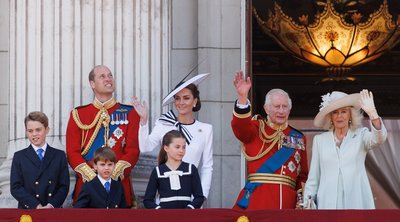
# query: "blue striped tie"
{"type": "Point", "coordinates": [40, 153]}
{"type": "Point", "coordinates": [107, 186]}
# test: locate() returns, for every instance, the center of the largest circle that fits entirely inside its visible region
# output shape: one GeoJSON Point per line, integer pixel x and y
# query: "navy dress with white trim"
{"type": "Point", "coordinates": [180, 188]}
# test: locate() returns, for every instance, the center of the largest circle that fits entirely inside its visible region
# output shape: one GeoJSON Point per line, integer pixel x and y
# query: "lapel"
{"type": "Point", "coordinates": [112, 191]}
{"type": "Point", "coordinates": [47, 159]}
{"type": "Point", "coordinates": [332, 144]}
{"type": "Point", "coordinates": [32, 156]}
{"type": "Point", "coordinates": [99, 186]}
{"type": "Point", "coordinates": [349, 138]}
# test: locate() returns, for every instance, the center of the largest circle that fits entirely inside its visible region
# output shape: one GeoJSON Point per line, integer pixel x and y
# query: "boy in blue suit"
{"type": "Point", "coordinates": [39, 173]}
{"type": "Point", "coordinates": [102, 191]}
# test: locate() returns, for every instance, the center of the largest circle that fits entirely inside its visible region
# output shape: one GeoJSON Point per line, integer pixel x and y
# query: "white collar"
{"type": "Point", "coordinates": [36, 148]}
{"type": "Point", "coordinates": [103, 181]}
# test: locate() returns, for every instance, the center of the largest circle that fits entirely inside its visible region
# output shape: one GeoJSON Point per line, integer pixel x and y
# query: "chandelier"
{"type": "Point", "coordinates": [332, 42]}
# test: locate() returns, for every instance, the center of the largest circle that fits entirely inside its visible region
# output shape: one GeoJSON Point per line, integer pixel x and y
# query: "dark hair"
{"type": "Point", "coordinates": [196, 95]}
{"type": "Point", "coordinates": [166, 141]}
{"type": "Point", "coordinates": [37, 116]}
{"type": "Point", "coordinates": [104, 154]}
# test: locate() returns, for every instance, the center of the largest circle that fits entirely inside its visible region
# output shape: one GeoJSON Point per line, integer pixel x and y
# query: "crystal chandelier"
{"type": "Point", "coordinates": [332, 42]}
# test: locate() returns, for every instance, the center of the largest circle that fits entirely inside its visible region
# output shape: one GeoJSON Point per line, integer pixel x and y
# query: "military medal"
{"type": "Point", "coordinates": [117, 119]}
{"type": "Point", "coordinates": [297, 157]}
{"type": "Point", "coordinates": [118, 133]}
{"type": "Point", "coordinates": [111, 142]}
{"type": "Point", "coordinates": [112, 120]}
{"type": "Point", "coordinates": [126, 119]}
{"type": "Point", "coordinates": [291, 166]}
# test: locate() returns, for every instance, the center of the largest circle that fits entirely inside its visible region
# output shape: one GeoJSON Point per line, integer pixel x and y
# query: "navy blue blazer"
{"type": "Point", "coordinates": [94, 195]}
{"type": "Point", "coordinates": [35, 182]}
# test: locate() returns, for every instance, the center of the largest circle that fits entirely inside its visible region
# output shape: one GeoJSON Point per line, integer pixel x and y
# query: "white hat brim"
{"type": "Point", "coordinates": [352, 100]}
{"type": "Point", "coordinates": [195, 80]}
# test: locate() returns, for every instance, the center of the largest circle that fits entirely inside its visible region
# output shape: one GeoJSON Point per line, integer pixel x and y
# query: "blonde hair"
{"type": "Point", "coordinates": [356, 119]}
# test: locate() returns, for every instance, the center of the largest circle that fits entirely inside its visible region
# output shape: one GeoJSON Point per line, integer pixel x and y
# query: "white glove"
{"type": "Point", "coordinates": [309, 204]}
{"type": "Point", "coordinates": [367, 104]}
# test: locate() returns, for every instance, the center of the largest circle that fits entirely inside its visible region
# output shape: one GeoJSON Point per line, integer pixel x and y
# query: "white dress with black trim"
{"type": "Point", "coordinates": [199, 137]}
{"type": "Point", "coordinates": [175, 188]}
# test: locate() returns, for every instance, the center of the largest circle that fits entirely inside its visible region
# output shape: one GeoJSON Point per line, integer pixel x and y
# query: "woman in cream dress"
{"type": "Point", "coordinates": [337, 178]}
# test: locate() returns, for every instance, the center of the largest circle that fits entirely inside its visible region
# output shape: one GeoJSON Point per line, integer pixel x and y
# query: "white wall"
{"type": "Point", "coordinates": [4, 75]}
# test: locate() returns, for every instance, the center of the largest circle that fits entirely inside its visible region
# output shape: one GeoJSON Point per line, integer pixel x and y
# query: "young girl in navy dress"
{"type": "Point", "coordinates": [174, 180]}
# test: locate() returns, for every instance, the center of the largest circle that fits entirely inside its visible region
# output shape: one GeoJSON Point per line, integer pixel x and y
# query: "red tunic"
{"type": "Point", "coordinates": [269, 196]}
{"type": "Point", "coordinates": [126, 149]}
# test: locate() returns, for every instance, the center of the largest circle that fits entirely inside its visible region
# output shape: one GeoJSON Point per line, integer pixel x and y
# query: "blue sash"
{"type": "Point", "coordinates": [120, 114]}
{"type": "Point", "coordinates": [269, 166]}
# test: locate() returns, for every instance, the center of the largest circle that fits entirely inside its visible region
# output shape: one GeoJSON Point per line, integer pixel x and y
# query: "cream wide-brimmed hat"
{"type": "Point", "coordinates": [333, 101]}
{"type": "Point", "coordinates": [195, 80]}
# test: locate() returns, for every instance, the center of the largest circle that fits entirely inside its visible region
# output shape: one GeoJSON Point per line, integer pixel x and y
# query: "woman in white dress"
{"type": "Point", "coordinates": [337, 178]}
{"type": "Point", "coordinates": [199, 135]}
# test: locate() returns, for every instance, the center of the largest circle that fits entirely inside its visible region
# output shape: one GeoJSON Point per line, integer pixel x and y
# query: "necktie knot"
{"type": "Point", "coordinates": [40, 153]}
{"type": "Point", "coordinates": [107, 186]}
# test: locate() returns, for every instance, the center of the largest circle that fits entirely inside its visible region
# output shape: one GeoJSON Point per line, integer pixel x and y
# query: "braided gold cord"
{"type": "Point", "coordinates": [272, 139]}
{"type": "Point", "coordinates": [102, 118]}
{"type": "Point", "coordinates": [80, 124]}
{"type": "Point", "coordinates": [89, 144]}
{"type": "Point", "coordinates": [105, 122]}
{"type": "Point", "coordinates": [263, 134]}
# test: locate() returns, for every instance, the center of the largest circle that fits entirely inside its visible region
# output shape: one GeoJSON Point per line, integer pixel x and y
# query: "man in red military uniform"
{"type": "Point", "coordinates": [103, 122]}
{"type": "Point", "coordinates": [275, 152]}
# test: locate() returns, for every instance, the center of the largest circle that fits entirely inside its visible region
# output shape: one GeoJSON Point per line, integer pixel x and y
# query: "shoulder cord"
{"type": "Point", "coordinates": [102, 118]}
{"type": "Point", "coordinates": [272, 139]}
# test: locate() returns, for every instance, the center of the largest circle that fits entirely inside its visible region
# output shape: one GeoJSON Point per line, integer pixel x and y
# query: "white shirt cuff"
{"type": "Point", "coordinates": [243, 106]}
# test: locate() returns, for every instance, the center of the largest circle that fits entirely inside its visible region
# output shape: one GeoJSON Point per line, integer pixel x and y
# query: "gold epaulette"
{"type": "Point", "coordinates": [86, 171]}
{"type": "Point", "coordinates": [120, 166]}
